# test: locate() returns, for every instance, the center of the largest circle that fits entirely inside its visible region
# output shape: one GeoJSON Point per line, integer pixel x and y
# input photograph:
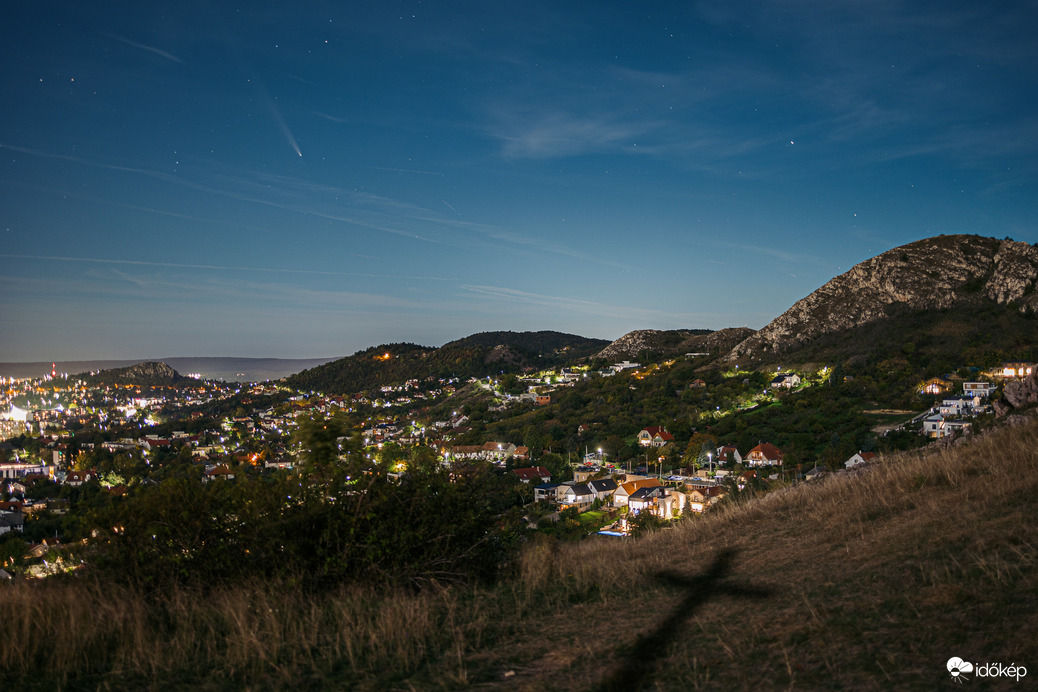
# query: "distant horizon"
{"type": "Point", "coordinates": [344, 355]}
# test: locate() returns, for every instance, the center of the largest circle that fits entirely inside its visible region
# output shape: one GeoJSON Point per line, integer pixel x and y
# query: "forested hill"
{"type": "Point", "coordinates": [479, 355]}
{"type": "Point", "coordinates": [151, 373]}
{"type": "Point", "coordinates": [542, 343]}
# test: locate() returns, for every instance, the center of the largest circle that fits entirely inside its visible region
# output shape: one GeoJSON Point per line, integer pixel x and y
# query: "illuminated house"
{"type": "Point", "coordinates": [538, 473]}
{"type": "Point", "coordinates": [624, 492]}
{"type": "Point", "coordinates": [764, 454]}
{"type": "Point", "coordinates": [654, 437]}
{"type": "Point", "coordinates": [1017, 369]}
{"type": "Point", "coordinates": [700, 499]}
{"type": "Point", "coordinates": [981, 389]}
{"type": "Point", "coordinates": [665, 503]}
{"type": "Point", "coordinates": [576, 495]}
{"type": "Point", "coordinates": [937, 426]}
{"type": "Point", "coordinates": [787, 380]}
{"type": "Point", "coordinates": [936, 385]}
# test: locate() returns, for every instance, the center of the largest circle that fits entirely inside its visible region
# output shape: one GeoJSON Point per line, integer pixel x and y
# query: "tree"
{"type": "Point", "coordinates": [557, 467]}
{"type": "Point", "coordinates": [700, 446]}
{"type": "Point", "coordinates": [645, 522]}
{"type": "Point", "coordinates": [321, 441]}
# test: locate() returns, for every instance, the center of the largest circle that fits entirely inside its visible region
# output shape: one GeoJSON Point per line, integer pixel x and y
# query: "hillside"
{"type": "Point", "coordinates": [941, 273]}
{"type": "Point", "coordinates": [543, 343]}
{"type": "Point", "coordinates": [479, 355]}
{"type": "Point", "coordinates": [862, 581]}
{"type": "Point", "coordinates": [924, 343]}
{"type": "Point", "coordinates": [650, 341]}
{"type": "Point", "coordinates": [150, 373]}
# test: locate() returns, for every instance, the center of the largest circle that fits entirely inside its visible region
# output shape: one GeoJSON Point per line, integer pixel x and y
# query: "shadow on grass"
{"type": "Point", "coordinates": [640, 662]}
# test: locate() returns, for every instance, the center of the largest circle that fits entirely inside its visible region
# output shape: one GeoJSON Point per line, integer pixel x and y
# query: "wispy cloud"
{"type": "Point", "coordinates": [569, 304]}
{"type": "Point", "coordinates": [558, 134]}
{"type": "Point", "coordinates": [798, 257]}
{"type": "Point", "coordinates": [151, 49]}
{"type": "Point", "coordinates": [216, 267]}
{"type": "Point", "coordinates": [180, 289]}
{"type": "Point", "coordinates": [331, 118]}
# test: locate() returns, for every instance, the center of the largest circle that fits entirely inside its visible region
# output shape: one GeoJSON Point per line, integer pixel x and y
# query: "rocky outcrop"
{"type": "Point", "coordinates": [503, 354]}
{"type": "Point", "coordinates": [720, 341]}
{"type": "Point", "coordinates": [631, 344]}
{"type": "Point", "coordinates": [1018, 394]}
{"type": "Point", "coordinates": [150, 372]}
{"type": "Point", "coordinates": [929, 274]}
{"type": "Point", "coordinates": [674, 341]}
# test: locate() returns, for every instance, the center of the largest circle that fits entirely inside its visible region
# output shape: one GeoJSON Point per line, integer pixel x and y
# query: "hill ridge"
{"type": "Point", "coordinates": [930, 274]}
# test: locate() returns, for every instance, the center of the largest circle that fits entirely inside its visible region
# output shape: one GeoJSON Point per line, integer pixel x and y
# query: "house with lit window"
{"type": "Point", "coordinates": [546, 492]}
{"type": "Point", "coordinates": [665, 503]}
{"type": "Point", "coordinates": [1016, 369]}
{"type": "Point", "coordinates": [498, 451]}
{"type": "Point", "coordinates": [534, 473]}
{"type": "Point", "coordinates": [654, 437]}
{"type": "Point", "coordinates": [981, 389]}
{"type": "Point", "coordinates": [603, 489]}
{"type": "Point", "coordinates": [624, 492]}
{"type": "Point", "coordinates": [937, 426]}
{"type": "Point", "coordinates": [576, 495]}
{"type": "Point", "coordinates": [701, 498]}
{"type": "Point", "coordinates": [937, 385]}
{"type": "Point", "coordinates": [764, 454]}
{"type": "Point", "coordinates": [786, 380]}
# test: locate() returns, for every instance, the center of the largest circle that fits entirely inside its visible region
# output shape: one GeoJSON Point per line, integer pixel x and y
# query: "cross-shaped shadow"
{"type": "Point", "coordinates": [642, 659]}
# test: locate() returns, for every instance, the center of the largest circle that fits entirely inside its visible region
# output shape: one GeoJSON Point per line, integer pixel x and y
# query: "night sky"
{"type": "Point", "coordinates": [200, 179]}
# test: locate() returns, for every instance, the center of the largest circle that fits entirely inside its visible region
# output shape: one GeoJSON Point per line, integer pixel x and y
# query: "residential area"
{"type": "Point", "coordinates": [70, 446]}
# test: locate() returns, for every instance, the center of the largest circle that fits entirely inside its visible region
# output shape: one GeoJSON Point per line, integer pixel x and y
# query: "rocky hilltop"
{"type": "Point", "coordinates": [670, 341]}
{"type": "Point", "coordinates": [932, 274]}
{"type": "Point", "coordinates": [148, 373]}
{"type": "Point", "coordinates": [720, 341]}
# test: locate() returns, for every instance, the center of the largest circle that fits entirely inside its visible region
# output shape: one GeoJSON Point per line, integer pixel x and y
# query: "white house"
{"type": "Point", "coordinates": [654, 436]}
{"type": "Point", "coordinates": [955, 406]}
{"type": "Point", "coordinates": [578, 494]}
{"type": "Point", "coordinates": [700, 499]}
{"type": "Point", "coordinates": [788, 380]}
{"type": "Point", "coordinates": [938, 426]}
{"type": "Point", "coordinates": [16, 469]}
{"type": "Point", "coordinates": [665, 503]}
{"type": "Point", "coordinates": [859, 458]}
{"type": "Point", "coordinates": [727, 454]}
{"type": "Point", "coordinates": [981, 389]}
{"type": "Point", "coordinates": [764, 454]}
{"type": "Point", "coordinates": [603, 489]}
{"type": "Point", "coordinates": [624, 492]}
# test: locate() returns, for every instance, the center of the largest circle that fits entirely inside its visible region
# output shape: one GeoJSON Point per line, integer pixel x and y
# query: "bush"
{"type": "Point", "coordinates": [321, 530]}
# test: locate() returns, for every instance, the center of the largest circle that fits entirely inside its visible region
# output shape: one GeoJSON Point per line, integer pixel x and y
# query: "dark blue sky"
{"type": "Point", "coordinates": [193, 178]}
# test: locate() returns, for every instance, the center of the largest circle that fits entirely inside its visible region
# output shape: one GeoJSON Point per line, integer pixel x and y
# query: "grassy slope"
{"type": "Point", "coordinates": [875, 580]}
{"type": "Point", "coordinates": [857, 582]}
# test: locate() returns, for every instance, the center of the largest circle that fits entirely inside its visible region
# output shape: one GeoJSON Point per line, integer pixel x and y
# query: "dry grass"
{"type": "Point", "coordinates": [875, 580]}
